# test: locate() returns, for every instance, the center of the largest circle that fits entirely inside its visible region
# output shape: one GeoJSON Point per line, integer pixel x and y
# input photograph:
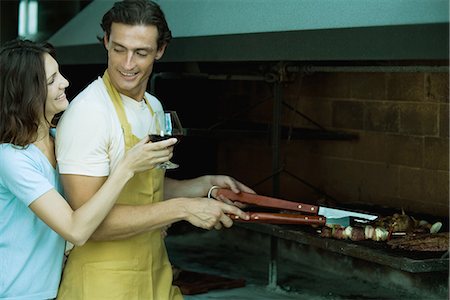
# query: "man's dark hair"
{"type": "Point", "coordinates": [138, 12]}
{"type": "Point", "coordinates": [23, 90]}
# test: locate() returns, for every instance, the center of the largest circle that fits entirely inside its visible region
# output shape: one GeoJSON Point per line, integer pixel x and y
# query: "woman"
{"type": "Point", "coordinates": [34, 217]}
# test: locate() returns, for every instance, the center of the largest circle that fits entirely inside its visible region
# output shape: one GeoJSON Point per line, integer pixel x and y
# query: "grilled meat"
{"type": "Point", "coordinates": [422, 242]}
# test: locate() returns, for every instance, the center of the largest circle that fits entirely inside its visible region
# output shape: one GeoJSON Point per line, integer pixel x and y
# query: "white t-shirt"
{"type": "Point", "coordinates": [89, 137]}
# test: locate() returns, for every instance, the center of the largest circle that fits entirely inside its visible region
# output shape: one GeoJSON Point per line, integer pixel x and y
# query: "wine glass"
{"type": "Point", "coordinates": [165, 125]}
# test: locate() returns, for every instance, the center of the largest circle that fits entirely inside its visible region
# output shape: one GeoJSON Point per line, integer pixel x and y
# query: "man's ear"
{"type": "Point", "coordinates": [105, 41]}
{"type": "Point", "coordinates": [160, 52]}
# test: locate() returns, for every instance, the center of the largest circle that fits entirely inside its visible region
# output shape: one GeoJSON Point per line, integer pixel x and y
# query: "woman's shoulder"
{"type": "Point", "coordinates": [15, 157]}
{"type": "Point", "coordinates": [10, 151]}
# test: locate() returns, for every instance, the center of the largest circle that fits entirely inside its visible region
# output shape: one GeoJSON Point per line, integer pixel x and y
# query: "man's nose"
{"type": "Point", "coordinates": [129, 61]}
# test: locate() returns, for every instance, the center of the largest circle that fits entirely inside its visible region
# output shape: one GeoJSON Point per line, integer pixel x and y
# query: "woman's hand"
{"type": "Point", "coordinates": [146, 155]}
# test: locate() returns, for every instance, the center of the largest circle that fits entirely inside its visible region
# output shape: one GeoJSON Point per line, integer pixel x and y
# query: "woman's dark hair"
{"type": "Point", "coordinates": [137, 12]}
{"type": "Point", "coordinates": [23, 90]}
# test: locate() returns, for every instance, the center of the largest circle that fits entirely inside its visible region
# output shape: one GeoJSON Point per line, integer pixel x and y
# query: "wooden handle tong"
{"type": "Point", "coordinates": [275, 218]}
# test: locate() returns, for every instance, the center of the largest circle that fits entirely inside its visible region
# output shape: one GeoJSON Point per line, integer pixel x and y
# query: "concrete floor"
{"type": "Point", "coordinates": [187, 252]}
{"type": "Point", "coordinates": [229, 253]}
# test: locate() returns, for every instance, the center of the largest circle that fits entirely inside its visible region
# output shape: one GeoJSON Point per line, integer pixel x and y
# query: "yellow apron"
{"type": "Point", "coordinates": [135, 268]}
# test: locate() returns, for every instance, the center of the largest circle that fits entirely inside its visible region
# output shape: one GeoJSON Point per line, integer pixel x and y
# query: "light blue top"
{"type": "Point", "coordinates": [31, 253]}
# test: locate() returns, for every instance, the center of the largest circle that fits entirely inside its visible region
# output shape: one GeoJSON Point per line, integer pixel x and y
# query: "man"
{"type": "Point", "coordinates": [126, 257]}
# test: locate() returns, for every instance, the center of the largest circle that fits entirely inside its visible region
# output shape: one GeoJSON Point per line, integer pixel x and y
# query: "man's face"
{"type": "Point", "coordinates": [132, 50]}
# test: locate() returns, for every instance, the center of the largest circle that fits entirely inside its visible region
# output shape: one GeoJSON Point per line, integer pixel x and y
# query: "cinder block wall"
{"type": "Point", "coordinates": [400, 160]}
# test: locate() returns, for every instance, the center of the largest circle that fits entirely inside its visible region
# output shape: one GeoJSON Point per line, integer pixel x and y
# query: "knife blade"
{"type": "Point", "coordinates": [345, 217]}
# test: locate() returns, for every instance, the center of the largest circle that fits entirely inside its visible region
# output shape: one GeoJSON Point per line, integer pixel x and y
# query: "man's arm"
{"type": "Point", "coordinates": [199, 187]}
{"type": "Point", "coordinates": [125, 221]}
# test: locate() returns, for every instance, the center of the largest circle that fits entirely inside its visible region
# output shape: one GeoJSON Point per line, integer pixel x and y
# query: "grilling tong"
{"type": "Point", "coordinates": [313, 214]}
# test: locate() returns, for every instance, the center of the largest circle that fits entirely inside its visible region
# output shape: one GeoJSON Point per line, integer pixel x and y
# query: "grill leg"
{"type": "Point", "coordinates": [273, 263]}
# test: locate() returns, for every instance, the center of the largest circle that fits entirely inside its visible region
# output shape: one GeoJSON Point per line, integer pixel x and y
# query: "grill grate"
{"type": "Point", "coordinates": [376, 252]}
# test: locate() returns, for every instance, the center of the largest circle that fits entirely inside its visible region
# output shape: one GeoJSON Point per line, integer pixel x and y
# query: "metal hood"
{"type": "Point", "coordinates": [274, 30]}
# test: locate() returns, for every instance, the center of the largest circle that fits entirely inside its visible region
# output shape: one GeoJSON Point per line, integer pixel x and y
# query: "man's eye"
{"type": "Point", "coordinates": [142, 53]}
{"type": "Point", "coordinates": [118, 50]}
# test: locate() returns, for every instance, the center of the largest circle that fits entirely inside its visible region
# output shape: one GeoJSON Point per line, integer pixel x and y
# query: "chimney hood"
{"type": "Point", "coordinates": [274, 30]}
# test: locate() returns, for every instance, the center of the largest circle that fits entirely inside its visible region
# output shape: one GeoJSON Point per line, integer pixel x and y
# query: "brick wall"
{"type": "Point", "coordinates": [400, 160]}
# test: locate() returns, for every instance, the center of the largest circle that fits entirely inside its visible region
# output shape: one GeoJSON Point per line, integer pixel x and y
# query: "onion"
{"type": "Point", "coordinates": [368, 231]}
{"type": "Point", "coordinates": [347, 232]}
{"type": "Point", "coordinates": [435, 227]}
{"type": "Point", "coordinates": [380, 234]}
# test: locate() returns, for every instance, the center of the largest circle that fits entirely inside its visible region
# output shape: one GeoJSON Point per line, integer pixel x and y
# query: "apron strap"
{"type": "Point", "coordinates": [120, 110]}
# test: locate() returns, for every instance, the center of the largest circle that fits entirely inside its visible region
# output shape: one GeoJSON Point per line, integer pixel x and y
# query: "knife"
{"type": "Point", "coordinates": [317, 215]}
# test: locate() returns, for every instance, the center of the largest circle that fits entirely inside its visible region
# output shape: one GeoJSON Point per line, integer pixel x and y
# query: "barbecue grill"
{"type": "Point", "coordinates": [386, 61]}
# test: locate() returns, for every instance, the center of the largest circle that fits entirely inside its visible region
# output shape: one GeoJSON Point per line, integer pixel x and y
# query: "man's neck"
{"type": "Point", "coordinates": [137, 98]}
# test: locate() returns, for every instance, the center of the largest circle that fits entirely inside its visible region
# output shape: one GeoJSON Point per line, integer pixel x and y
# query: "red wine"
{"type": "Point", "coordinates": [157, 138]}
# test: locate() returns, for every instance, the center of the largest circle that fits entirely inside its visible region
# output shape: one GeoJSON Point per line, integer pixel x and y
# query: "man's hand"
{"type": "Point", "coordinates": [209, 213]}
{"type": "Point", "coordinates": [223, 181]}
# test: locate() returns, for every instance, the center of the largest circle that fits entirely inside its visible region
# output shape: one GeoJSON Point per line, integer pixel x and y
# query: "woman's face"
{"type": "Point", "coordinates": [56, 86]}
